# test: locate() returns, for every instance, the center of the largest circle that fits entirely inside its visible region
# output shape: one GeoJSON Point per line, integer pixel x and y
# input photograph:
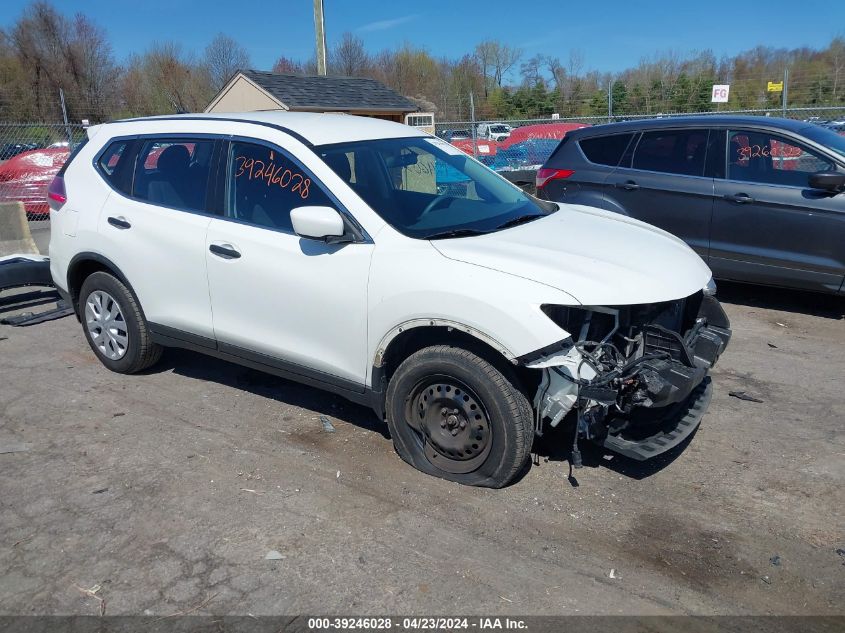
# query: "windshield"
{"type": "Point", "coordinates": [498, 128]}
{"type": "Point", "coordinates": [826, 137]}
{"type": "Point", "coordinates": [427, 189]}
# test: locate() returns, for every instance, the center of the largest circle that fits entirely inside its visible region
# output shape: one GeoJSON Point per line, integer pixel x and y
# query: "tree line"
{"type": "Point", "coordinates": [45, 50]}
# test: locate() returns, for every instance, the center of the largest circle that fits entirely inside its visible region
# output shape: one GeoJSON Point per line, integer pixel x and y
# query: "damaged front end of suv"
{"type": "Point", "coordinates": [633, 376]}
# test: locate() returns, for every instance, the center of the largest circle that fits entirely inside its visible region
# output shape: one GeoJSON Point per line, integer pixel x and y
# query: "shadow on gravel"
{"type": "Point", "coordinates": [202, 367]}
{"type": "Point", "coordinates": [783, 299]}
{"type": "Point", "coordinates": [25, 299]}
{"type": "Point", "coordinates": [556, 444]}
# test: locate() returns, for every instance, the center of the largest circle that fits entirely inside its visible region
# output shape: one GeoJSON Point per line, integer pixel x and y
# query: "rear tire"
{"type": "Point", "coordinates": [114, 325]}
{"type": "Point", "coordinates": [454, 415]}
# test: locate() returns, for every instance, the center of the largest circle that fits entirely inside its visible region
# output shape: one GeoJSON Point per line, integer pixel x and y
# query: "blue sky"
{"type": "Point", "coordinates": [611, 35]}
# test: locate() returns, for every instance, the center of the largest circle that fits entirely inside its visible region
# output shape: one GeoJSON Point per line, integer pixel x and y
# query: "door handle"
{"type": "Point", "coordinates": [628, 185]}
{"type": "Point", "coordinates": [740, 198]}
{"type": "Point", "coordinates": [119, 222]}
{"type": "Point", "coordinates": [226, 251]}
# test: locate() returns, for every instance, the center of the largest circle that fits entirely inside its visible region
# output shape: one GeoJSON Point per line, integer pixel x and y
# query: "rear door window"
{"type": "Point", "coordinates": [605, 150]}
{"type": "Point", "coordinates": [174, 173]}
{"type": "Point", "coordinates": [756, 156]}
{"type": "Point", "coordinates": [672, 152]}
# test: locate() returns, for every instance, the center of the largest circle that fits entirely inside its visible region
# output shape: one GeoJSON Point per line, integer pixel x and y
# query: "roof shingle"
{"type": "Point", "coordinates": [330, 93]}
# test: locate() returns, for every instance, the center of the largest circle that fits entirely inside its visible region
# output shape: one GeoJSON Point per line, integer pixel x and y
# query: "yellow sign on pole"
{"type": "Point", "coordinates": [775, 86]}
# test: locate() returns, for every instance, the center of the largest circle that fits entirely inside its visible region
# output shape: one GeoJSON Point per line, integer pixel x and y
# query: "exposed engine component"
{"type": "Point", "coordinates": [619, 358]}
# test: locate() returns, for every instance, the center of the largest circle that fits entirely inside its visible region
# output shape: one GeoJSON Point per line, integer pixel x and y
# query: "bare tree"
{"type": "Point", "coordinates": [73, 55]}
{"type": "Point", "coordinates": [496, 59]}
{"type": "Point", "coordinates": [556, 70]}
{"type": "Point", "coordinates": [349, 58]}
{"type": "Point", "coordinates": [532, 71]}
{"type": "Point", "coordinates": [223, 58]}
{"type": "Point", "coordinates": [287, 66]}
{"type": "Point", "coordinates": [837, 58]}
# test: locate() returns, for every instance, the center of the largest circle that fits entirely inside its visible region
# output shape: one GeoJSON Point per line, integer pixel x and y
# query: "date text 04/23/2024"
{"type": "Point", "coordinates": [416, 623]}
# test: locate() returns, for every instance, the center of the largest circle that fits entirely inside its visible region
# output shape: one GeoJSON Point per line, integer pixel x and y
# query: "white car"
{"type": "Point", "coordinates": [379, 262]}
{"type": "Point", "coordinates": [494, 131]}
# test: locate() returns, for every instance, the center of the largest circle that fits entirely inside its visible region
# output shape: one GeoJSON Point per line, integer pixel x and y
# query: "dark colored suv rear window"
{"type": "Point", "coordinates": [605, 150]}
{"type": "Point", "coordinates": [672, 152]}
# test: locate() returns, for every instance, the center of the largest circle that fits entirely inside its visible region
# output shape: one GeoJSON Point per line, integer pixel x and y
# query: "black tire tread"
{"type": "Point", "coordinates": [149, 352]}
{"type": "Point", "coordinates": [504, 380]}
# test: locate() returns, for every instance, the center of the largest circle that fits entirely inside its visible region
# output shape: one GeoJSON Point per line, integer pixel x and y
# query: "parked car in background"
{"type": "Point", "coordinates": [10, 150]}
{"type": "Point", "coordinates": [529, 154]}
{"type": "Point", "coordinates": [455, 135]}
{"type": "Point", "coordinates": [482, 149]}
{"type": "Point", "coordinates": [760, 199]}
{"type": "Point", "coordinates": [555, 131]}
{"type": "Point", "coordinates": [494, 131]}
{"type": "Point", "coordinates": [373, 260]}
{"type": "Point", "coordinates": [25, 178]}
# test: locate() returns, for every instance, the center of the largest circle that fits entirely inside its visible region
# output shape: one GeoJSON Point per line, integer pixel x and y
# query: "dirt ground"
{"type": "Point", "coordinates": [168, 490]}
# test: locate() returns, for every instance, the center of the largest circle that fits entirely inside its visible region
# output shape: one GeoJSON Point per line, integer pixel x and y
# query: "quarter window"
{"type": "Point", "coordinates": [173, 173]}
{"type": "Point", "coordinates": [672, 152]}
{"type": "Point", "coordinates": [770, 159]}
{"type": "Point", "coordinates": [605, 150]}
{"type": "Point", "coordinates": [264, 185]}
{"type": "Point", "coordinates": [114, 165]}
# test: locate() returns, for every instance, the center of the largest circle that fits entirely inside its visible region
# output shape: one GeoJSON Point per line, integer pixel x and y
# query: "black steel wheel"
{"type": "Point", "coordinates": [454, 415]}
{"type": "Point", "coordinates": [452, 424]}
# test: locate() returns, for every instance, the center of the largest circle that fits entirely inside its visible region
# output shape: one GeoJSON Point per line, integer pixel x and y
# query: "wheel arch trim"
{"type": "Point", "coordinates": [90, 256]}
{"type": "Point", "coordinates": [390, 336]}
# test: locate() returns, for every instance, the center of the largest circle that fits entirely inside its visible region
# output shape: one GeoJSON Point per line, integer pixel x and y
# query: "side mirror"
{"type": "Point", "coordinates": [828, 181]}
{"type": "Point", "coordinates": [318, 223]}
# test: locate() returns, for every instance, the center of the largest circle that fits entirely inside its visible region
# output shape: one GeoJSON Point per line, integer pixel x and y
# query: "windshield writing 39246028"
{"type": "Point", "coordinates": [272, 174]}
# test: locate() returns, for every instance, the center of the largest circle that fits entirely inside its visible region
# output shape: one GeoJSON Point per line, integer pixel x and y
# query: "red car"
{"type": "Point", "coordinates": [486, 149]}
{"type": "Point", "coordinates": [542, 130]}
{"type": "Point", "coordinates": [25, 178]}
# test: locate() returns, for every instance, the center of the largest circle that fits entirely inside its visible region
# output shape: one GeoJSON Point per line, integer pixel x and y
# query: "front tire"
{"type": "Point", "coordinates": [454, 415]}
{"type": "Point", "coordinates": [115, 326]}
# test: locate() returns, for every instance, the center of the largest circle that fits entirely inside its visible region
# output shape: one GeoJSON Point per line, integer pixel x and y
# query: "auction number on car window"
{"type": "Point", "coordinates": [754, 151]}
{"type": "Point", "coordinates": [272, 174]}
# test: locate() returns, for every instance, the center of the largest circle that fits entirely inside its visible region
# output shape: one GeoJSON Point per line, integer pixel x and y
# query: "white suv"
{"type": "Point", "coordinates": [376, 261]}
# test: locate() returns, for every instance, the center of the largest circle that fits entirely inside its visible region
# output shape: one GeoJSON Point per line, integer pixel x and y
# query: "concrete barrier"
{"type": "Point", "coordinates": [15, 237]}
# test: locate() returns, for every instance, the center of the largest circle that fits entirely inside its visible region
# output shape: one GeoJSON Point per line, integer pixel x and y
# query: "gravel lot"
{"type": "Point", "coordinates": [168, 489]}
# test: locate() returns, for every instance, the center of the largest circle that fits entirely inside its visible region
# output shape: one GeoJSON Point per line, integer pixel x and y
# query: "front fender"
{"type": "Point", "coordinates": [412, 285]}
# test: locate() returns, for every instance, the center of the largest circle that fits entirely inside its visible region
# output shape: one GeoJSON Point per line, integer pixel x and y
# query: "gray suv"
{"type": "Point", "coordinates": [759, 199]}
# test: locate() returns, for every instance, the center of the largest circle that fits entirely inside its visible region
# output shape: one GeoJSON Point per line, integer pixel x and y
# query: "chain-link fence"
{"type": "Point", "coordinates": [31, 154]}
{"type": "Point", "coordinates": [511, 146]}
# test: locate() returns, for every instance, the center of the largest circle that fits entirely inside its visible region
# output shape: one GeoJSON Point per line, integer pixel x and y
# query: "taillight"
{"type": "Point", "coordinates": [56, 194]}
{"type": "Point", "coordinates": [545, 175]}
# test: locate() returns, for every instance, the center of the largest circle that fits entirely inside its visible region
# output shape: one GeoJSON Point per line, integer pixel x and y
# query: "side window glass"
{"type": "Point", "coordinates": [113, 165]}
{"type": "Point", "coordinates": [766, 158]}
{"type": "Point", "coordinates": [264, 185]}
{"type": "Point", "coordinates": [672, 152]}
{"type": "Point", "coordinates": [605, 150]}
{"type": "Point", "coordinates": [715, 167]}
{"type": "Point", "coordinates": [173, 173]}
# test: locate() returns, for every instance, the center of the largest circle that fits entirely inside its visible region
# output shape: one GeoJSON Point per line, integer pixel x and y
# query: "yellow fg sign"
{"type": "Point", "coordinates": [775, 86]}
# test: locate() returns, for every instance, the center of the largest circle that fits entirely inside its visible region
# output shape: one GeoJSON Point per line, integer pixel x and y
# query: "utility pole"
{"type": "Point", "coordinates": [785, 89]}
{"type": "Point", "coordinates": [320, 32]}
{"type": "Point", "coordinates": [609, 100]}
{"type": "Point", "coordinates": [472, 119]}
{"type": "Point", "coordinates": [64, 116]}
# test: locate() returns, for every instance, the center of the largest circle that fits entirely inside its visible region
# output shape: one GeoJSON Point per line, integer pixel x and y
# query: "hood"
{"type": "Point", "coordinates": [598, 257]}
